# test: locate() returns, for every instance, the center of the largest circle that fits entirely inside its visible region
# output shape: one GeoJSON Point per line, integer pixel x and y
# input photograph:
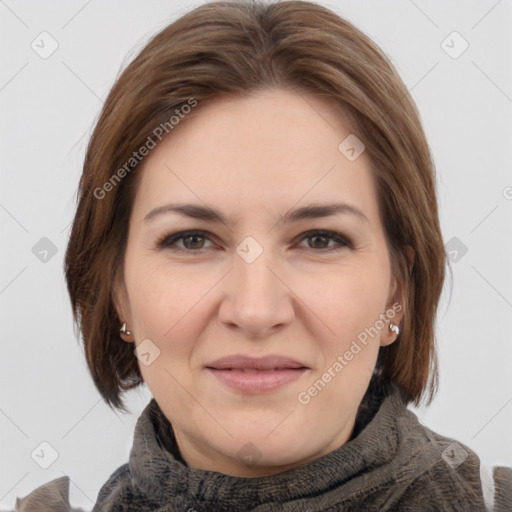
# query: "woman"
{"type": "Point", "coordinates": [257, 240]}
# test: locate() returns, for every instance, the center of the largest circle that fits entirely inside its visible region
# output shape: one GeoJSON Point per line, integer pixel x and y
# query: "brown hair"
{"type": "Point", "coordinates": [234, 48]}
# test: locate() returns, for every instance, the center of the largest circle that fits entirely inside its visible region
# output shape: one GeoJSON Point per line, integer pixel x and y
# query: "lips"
{"type": "Point", "coordinates": [256, 375]}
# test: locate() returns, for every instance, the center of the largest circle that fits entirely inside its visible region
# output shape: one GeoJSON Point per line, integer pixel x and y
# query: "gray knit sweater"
{"type": "Point", "coordinates": [391, 463]}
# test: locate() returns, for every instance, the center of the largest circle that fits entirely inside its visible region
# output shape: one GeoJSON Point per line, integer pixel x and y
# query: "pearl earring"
{"type": "Point", "coordinates": [124, 330]}
{"type": "Point", "coordinates": [394, 328]}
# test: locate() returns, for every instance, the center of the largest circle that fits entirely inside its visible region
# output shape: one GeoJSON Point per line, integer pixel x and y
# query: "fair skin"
{"type": "Point", "coordinates": [306, 297]}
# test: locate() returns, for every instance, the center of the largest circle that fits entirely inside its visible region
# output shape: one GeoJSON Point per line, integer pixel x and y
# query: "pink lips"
{"type": "Point", "coordinates": [256, 375]}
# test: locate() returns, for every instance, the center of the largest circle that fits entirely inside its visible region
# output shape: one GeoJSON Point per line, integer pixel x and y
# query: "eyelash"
{"type": "Point", "coordinates": [167, 241]}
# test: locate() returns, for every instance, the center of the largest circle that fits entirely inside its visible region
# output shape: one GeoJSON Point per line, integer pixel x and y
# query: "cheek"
{"type": "Point", "coordinates": [155, 299]}
{"type": "Point", "coordinates": [347, 301]}
{"type": "Point", "coordinates": [165, 311]}
{"type": "Point", "coordinates": [168, 306]}
{"type": "Point", "coordinates": [349, 305]}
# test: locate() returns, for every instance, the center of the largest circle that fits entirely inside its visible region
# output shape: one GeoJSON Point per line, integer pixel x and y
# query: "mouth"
{"type": "Point", "coordinates": [257, 381]}
{"type": "Point", "coordinates": [256, 375]}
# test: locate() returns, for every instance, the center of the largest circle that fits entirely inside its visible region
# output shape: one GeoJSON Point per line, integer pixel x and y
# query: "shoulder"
{"type": "Point", "coordinates": [50, 497]}
{"type": "Point", "coordinates": [447, 471]}
{"type": "Point", "coordinates": [497, 487]}
{"type": "Point", "coordinates": [53, 496]}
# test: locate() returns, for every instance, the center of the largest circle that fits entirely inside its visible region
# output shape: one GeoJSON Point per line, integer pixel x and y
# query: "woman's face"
{"type": "Point", "coordinates": [264, 281]}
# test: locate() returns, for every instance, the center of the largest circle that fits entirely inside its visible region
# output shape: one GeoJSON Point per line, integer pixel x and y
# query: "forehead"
{"type": "Point", "coordinates": [257, 154]}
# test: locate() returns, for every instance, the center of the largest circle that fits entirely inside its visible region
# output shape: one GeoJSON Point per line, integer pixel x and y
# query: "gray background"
{"type": "Point", "coordinates": [49, 106]}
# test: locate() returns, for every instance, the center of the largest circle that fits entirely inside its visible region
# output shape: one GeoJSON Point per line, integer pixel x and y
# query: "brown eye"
{"type": "Point", "coordinates": [192, 241]}
{"type": "Point", "coordinates": [320, 240]}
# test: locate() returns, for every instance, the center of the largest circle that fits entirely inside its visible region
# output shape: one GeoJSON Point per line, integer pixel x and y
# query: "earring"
{"type": "Point", "coordinates": [394, 328]}
{"type": "Point", "coordinates": [124, 330]}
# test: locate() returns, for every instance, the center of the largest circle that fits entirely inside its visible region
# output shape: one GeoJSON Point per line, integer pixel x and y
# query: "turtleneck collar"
{"type": "Point", "coordinates": [391, 463]}
{"type": "Point", "coordinates": [159, 471]}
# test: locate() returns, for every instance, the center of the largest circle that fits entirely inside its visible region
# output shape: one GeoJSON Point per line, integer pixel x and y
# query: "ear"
{"type": "Point", "coordinates": [120, 298]}
{"type": "Point", "coordinates": [411, 254]}
{"type": "Point", "coordinates": [121, 304]}
{"type": "Point", "coordinates": [395, 309]}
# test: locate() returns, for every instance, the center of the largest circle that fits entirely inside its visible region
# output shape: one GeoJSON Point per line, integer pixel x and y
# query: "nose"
{"type": "Point", "coordinates": [257, 300]}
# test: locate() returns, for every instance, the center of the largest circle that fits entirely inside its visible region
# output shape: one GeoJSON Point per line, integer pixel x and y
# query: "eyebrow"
{"type": "Point", "coordinates": [312, 211]}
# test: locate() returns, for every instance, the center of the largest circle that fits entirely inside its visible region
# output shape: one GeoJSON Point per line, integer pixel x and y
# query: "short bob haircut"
{"type": "Point", "coordinates": [240, 48]}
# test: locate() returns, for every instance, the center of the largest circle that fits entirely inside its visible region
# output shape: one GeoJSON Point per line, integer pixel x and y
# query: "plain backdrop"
{"type": "Point", "coordinates": [49, 104]}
